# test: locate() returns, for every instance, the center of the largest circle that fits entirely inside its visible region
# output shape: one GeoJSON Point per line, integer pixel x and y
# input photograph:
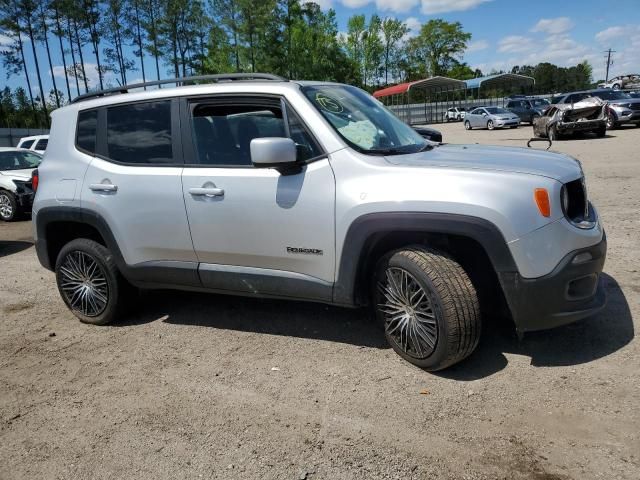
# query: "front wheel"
{"type": "Point", "coordinates": [428, 306]}
{"type": "Point", "coordinates": [8, 206]}
{"type": "Point", "coordinates": [467, 125]}
{"type": "Point", "coordinates": [490, 125]}
{"type": "Point", "coordinates": [90, 283]}
{"type": "Point", "coordinates": [611, 121]}
{"type": "Point", "coordinates": [552, 134]}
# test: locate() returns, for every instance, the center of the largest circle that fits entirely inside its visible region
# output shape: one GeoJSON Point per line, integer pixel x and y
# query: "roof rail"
{"type": "Point", "coordinates": [225, 77]}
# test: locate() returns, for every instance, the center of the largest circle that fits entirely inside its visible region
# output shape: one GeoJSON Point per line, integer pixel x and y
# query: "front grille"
{"type": "Point", "coordinates": [634, 106]}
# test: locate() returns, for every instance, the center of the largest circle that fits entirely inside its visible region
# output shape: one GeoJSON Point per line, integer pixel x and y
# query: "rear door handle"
{"type": "Point", "coordinates": [103, 187]}
{"type": "Point", "coordinates": [206, 192]}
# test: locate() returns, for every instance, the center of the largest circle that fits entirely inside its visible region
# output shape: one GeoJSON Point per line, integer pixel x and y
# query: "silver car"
{"type": "Point", "coordinates": [491, 117]}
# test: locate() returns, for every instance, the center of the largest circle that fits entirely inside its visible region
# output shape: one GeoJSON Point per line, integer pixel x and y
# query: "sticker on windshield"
{"type": "Point", "coordinates": [328, 103]}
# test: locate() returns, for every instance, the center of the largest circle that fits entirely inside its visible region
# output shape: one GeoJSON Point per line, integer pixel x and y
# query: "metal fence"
{"type": "Point", "coordinates": [9, 137]}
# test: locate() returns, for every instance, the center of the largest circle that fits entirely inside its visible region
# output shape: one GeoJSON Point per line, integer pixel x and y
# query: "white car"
{"type": "Point", "coordinates": [456, 114]}
{"type": "Point", "coordinates": [622, 82]}
{"type": "Point", "coordinates": [36, 143]}
{"type": "Point", "coordinates": [16, 189]}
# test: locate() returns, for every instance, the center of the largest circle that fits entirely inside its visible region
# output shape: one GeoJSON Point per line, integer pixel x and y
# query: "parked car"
{"type": "Point", "coordinates": [346, 205]}
{"type": "Point", "coordinates": [491, 117]}
{"type": "Point", "coordinates": [16, 193]}
{"type": "Point", "coordinates": [528, 108]}
{"type": "Point", "coordinates": [622, 82]}
{"type": "Point", "coordinates": [634, 94]}
{"type": "Point", "coordinates": [455, 114]}
{"type": "Point", "coordinates": [429, 133]}
{"type": "Point", "coordinates": [566, 119]}
{"type": "Point", "coordinates": [622, 108]}
{"type": "Point", "coordinates": [35, 143]}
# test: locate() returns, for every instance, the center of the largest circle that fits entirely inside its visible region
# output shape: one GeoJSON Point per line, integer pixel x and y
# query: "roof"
{"type": "Point", "coordinates": [498, 79]}
{"type": "Point", "coordinates": [427, 84]}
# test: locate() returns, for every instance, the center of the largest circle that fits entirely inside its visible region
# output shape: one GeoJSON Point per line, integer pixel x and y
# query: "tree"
{"type": "Point", "coordinates": [43, 14]}
{"type": "Point", "coordinates": [393, 30]}
{"type": "Point", "coordinates": [93, 24]}
{"type": "Point", "coordinates": [29, 17]}
{"type": "Point", "coordinates": [229, 16]}
{"type": "Point", "coordinates": [372, 51]}
{"type": "Point", "coordinates": [438, 45]}
{"type": "Point", "coordinates": [59, 32]}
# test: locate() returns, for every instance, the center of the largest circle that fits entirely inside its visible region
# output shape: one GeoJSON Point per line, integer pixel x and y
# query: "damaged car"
{"type": "Point", "coordinates": [565, 119]}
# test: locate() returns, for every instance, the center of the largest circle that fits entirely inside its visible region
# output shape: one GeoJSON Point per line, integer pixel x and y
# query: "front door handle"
{"type": "Point", "coordinates": [206, 192]}
{"type": "Point", "coordinates": [103, 187]}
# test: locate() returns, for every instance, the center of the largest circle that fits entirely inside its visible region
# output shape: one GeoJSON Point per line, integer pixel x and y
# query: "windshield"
{"type": "Point", "coordinates": [17, 160]}
{"type": "Point", "coordinates": [363, 122]}
{"type": "Point", "coordinates": [612, 95]}
{"type": "Point", "coordinates": [494, 110]}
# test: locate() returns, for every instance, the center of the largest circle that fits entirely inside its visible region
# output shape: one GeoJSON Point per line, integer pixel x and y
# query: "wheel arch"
{"type": "Point", "coordinates": [57, 226]}
{"type": "Point", "coordinates": [468, 239]}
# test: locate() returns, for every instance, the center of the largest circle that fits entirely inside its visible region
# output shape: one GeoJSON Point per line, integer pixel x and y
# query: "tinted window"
{"type": "Point", "coordinates": [512, 104]}
{"type": "Point", "coordinates": [140, 133]}
{"type": "Point", "coordinates": [86, 132]}
{"type": "Point", "coordinates": [26, 144]}
{"type": "Point", "coordinates": [611, 95]}
{"type": "Point", "coordinates": [16, 160]}
{"type": "Point", "coordinates": [222, 134]}
{"type": "Point", "coordinates": [477, 111]}
{"type": "Point", "coordinates": [42, 144]}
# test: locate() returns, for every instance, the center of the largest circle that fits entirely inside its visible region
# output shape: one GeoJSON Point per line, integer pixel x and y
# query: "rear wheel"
{"type": "Point", "coordinates": [90, 283]}
{"type": "Point", "coordinates": [467, 125]}
{"type": "Point", "coordinates": [8, 206]}
{"type": "Point", "coordinates": [428, 306]}
{"type": "Point", "coordinates": [552, 133]}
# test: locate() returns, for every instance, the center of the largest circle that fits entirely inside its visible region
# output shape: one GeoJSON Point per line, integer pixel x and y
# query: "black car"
{"type": "Point", "coordinates": [527, 108]}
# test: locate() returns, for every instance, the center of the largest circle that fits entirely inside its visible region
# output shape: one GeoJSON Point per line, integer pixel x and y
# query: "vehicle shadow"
{"type": "Point", "coordinates": [572, 344]}
{"type": "Point", "coordinates": [11, 247]}
{"type": "Point", "coordinates": [273, 317]}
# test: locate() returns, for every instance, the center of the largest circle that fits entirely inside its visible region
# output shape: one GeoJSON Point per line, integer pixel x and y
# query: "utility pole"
{"type": "Point", "coordinates": [609, 62]}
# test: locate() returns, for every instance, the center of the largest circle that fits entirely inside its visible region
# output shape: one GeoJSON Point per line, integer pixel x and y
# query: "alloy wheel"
{"type": "Point", "coordinates": [409, 317]}
{"type": "Point", "coordinates": [6, 209]}
{"type": "Point", "coordinates": [84, 284]}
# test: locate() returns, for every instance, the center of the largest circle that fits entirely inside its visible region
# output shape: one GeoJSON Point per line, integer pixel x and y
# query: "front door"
{"type": "Point", "coordinates": [254, 229]}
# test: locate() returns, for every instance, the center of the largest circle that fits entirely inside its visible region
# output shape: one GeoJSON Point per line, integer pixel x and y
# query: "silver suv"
{"type": "Point", "coordinates": [259, 186]}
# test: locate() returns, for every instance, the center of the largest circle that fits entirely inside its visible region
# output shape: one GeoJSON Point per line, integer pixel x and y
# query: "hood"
{"type": "Point", "coordinates": [24, 174]}
{"type": "Point", "coordinates": [623, 101]}
{"type": "Point", "coordinates": [485, 157]}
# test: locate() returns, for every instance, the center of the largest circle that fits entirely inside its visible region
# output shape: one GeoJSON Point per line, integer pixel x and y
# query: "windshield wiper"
{"type": "Point", "coordinates": [383, 151]}
{"type": "Point", "coordinates": [425, 147]}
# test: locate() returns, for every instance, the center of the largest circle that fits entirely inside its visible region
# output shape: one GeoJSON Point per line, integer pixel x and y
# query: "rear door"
{"type": "Point", "coordinates": [134, 182]}
{"type": "Point", "coordinates": [258, 230]}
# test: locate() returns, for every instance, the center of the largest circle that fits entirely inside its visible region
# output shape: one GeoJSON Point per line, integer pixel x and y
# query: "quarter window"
{"type": "Point", "coordinates": [140, 133]}
{"type": "Point", "coordinates": [42, 144]}
{"type": "Point", "coordinates": [26, 144]}
{"type": "Point", "coordinates": [86, 131]}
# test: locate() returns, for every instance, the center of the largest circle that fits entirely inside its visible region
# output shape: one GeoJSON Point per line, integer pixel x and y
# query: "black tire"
{"type": "Point", "coordinates": [611, 121]}
{"type": "Point", "coordinates": [9, 210]}
{"type": "Point", "coordinates": [552, 133]}
{"type": "Point", "coordinates": [107, 279]}
{"type": "Point", "coordinates": [490, 125]}
{"type": "Point", "coordinates": [533, 118]}
{"type": "Point", "coordinates": [455, 325]}
{"type": "Point", "coordinates": [601, 132]}
{"type": "Point", "coordinates": [467, 125]}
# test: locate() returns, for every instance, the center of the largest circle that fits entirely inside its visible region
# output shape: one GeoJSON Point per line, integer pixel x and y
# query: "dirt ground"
{"type": "Point", "coordinates": [197, 386]}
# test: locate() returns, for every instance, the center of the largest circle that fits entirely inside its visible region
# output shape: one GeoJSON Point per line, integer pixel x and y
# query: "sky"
{"type": "Point", "coordinates": [504, 33]}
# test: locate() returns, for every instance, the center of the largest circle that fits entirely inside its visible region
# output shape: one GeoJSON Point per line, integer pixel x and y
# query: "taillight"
{"type": "Point", "coordinates": [35, 179]}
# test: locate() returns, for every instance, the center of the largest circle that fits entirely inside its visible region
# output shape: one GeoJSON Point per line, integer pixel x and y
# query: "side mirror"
{"type": "Point", "coordinates": [273, 152]}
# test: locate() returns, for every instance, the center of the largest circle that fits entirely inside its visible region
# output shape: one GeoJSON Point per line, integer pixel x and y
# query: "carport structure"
{"type": "Point", "coordinates": [426, 101]}
{"type": "Point", "coordinates": [422, 101]}
{"type": "Point", "coordinates": [496, 87]}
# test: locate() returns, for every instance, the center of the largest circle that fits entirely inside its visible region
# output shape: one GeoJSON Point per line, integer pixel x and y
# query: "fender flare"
{"type": "Point", "coordinates": [364, 227]}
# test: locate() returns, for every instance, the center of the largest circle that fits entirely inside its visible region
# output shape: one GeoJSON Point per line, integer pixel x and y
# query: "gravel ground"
{"type": "Point", "coordinates": [197, 386]}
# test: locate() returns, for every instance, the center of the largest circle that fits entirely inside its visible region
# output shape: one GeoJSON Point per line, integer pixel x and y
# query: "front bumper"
{"type": "Point", "coordinates": [507, 123]}
{"type": "Point", "coordinates": [572, 291]}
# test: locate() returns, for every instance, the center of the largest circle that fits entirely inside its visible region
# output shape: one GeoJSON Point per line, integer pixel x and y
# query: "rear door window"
{"type": "Point", "coordinates": [26, 144]}
{"type": "Point", "coordinates": [140, 133]}
{"type": "Point", "coordinates": [42, 144]}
